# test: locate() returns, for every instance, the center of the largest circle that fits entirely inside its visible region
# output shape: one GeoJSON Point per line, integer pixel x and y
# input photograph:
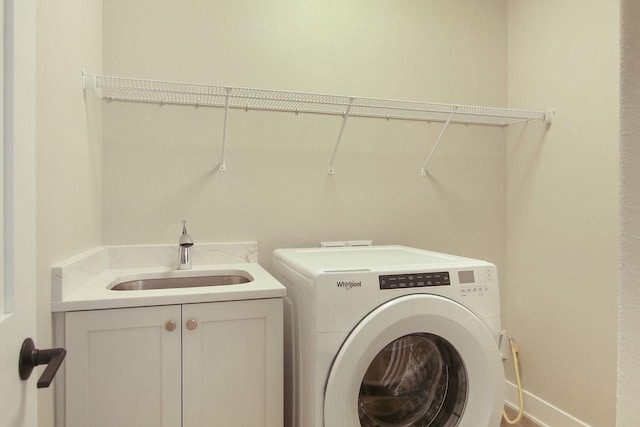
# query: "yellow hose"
{"type": "Point", "coordinates": [516, 368]}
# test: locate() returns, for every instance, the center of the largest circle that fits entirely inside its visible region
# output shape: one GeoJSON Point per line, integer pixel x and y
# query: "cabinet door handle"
{"type": "Point", "coordinates": [192, 324]}
{"type": "Point", "coordinates": [170, 326]}
{"type": "Point", "coordinates": [30, 357]}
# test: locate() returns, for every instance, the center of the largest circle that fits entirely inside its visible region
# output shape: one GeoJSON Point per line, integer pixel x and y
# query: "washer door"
{"type": "Point", "coordinates": [416, 361]}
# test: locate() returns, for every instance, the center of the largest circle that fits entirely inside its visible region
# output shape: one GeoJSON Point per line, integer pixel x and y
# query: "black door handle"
{"type": "Point", "coordinates": [30, 357]}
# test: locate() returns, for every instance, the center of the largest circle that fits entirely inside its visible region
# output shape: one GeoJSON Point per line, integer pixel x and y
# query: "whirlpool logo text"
{"type": "Point", "coordinates": [349, 284]}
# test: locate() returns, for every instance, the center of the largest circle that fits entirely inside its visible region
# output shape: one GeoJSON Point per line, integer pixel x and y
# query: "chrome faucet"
{"type": "Point", "coordinates": [185, 242]}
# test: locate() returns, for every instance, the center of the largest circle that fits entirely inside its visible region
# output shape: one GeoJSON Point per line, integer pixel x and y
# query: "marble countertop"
{"type": "Point", "coordinates": [84, 282]}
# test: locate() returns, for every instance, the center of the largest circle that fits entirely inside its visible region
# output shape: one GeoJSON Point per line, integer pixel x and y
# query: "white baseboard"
{"type": "Point", "coordinates": [540, 412]}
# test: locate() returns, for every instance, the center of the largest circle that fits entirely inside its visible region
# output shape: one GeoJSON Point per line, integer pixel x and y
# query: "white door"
{"type": "Point", "coordinates": [17, 273]}
{"type": "Point", "coordinates": [416, 360]}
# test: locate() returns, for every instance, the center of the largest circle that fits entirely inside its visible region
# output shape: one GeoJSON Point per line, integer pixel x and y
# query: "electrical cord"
{"type": "Point", "coordinates": [516, 368]}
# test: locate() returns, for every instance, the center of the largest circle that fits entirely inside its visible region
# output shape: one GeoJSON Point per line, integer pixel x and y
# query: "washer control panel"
{"type": "Point", "coordinates": [475, 282]}
{"type": "Point", "coordinates": [414, 280]}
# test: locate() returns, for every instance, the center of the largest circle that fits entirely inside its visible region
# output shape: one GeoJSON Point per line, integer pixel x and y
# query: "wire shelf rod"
{"type": "Point", "coordinates": [247, 96]}
{"type": "Point", "coordinates": [380, 116]}
{"type": "Point", "coordinates": [483, 119]}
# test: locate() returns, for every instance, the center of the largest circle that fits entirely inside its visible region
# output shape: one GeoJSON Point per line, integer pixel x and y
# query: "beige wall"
{"type": "Point", "coordinates": [159, 162]}
{"type": "Point", "coordinates": [68, 158]}
{"type": "Point", "coordinates": [562, 203]}
{"type": "Point", "coordinates": [554, 213]}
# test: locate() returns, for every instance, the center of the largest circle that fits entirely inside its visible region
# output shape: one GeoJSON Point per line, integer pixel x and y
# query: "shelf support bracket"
{"type": "Point", "coordinates": [223, 165]}
{"type": "Point", "coordinates": [423, 171]}
{"type": "Point", "coordinates": [344, 122]}
{"type": "Point", "coordinates": [548, 116]}
{"type": "Point", "coordinates": [88, 80]}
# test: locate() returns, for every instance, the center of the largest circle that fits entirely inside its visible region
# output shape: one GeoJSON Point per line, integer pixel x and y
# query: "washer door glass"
{"type": "Point", "coordinates": [417, 380]}
{"type": "Point", "coordinates": [416, 361]}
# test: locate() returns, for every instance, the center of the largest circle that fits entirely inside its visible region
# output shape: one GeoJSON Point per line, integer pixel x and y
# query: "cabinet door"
{"type": "Point", "coordinates": [123, 368]}
{"type": "Point", "coordinates": [232, 364]}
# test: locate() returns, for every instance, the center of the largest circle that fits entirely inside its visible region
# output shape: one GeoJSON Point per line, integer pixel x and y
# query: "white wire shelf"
{"type": "Point", "coordinates": [248, 99]}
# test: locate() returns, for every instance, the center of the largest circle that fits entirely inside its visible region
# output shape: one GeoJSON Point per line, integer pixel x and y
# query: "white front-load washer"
{"type": "Point", "coordinates": [390, 336]}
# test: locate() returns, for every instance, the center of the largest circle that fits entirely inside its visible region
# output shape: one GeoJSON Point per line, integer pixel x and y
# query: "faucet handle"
{"type": "Point", "coordinates": [185, 239]}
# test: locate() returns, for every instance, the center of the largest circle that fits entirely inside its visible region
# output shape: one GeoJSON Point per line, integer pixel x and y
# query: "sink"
{"type": "Point", "coordinates": [182, 282]}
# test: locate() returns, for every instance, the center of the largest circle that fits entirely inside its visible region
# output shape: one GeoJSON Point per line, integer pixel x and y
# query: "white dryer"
{"type": "Point", "coordinates": [390, 336]}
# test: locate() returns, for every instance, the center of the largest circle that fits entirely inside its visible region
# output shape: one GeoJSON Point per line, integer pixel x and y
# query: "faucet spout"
{"type": "Point", "coordinates": [185, 242]}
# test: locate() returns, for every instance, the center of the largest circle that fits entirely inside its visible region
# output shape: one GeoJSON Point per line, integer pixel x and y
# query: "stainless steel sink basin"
{"type": "Point", "coordinates": [182, 282]}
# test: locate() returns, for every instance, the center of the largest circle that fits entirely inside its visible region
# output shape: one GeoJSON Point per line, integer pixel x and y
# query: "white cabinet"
{"type": "Point", "coordinates": [220, 366]}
